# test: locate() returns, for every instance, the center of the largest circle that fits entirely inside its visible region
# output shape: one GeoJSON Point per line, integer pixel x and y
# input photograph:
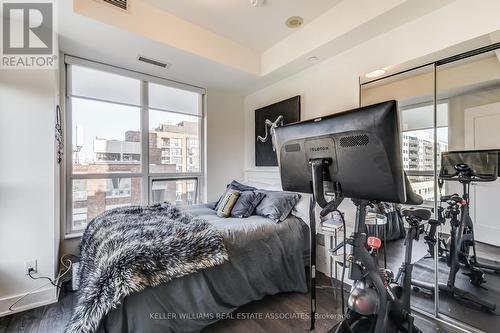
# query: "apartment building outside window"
{"type": "Point", "coordinates": [130, 141]}
{"type": "Point", "coordinates": [418, 145]}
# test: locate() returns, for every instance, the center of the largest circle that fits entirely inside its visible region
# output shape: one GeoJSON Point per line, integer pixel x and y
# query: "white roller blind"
{"type": "Point", "coordinates": [173, 99]}
{"type": "Point", "coordinates": [422, 117]}
{"type": "Point", "coordinates": [96, 84]}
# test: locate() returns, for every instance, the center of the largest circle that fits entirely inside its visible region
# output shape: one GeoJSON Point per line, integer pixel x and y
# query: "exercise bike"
{"type": "Point", "coordinates": [452, 212]}
{"type": "Point", "coordinates": [378, 302]}
{"type": "Point", "coordinates": [353, 154]}
{"type": "Point", "coordinates": [464, 245]}
{"type": "Point", "coordinates": [460, 250]}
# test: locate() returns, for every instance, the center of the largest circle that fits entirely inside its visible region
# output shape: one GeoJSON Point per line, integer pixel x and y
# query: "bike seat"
{"type": "Point", "coordinates": [421, 214]}
{"type": "Point", "coordinates": [455, 197]}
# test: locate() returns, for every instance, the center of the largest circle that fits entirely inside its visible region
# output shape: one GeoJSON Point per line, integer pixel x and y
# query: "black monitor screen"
{"type": "Point", "coordinates": [363, 146]}
{"type": "Point", "coordinates": [483, 163]}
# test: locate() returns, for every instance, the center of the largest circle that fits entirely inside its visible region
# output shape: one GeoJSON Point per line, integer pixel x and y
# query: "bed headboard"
{"type": "Point", "coordinates": [270, 177]}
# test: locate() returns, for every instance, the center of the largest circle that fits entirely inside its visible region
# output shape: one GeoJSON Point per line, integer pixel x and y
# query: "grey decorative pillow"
{"type": "Point", "coordinates": [227, 202]}
{"type": "Point", "coordinates": [240, 187]}
{"type": "Point", "coordinates": [234, 185]}
{"type": "Point", "coordinates": [277, 205]}
{"type": "Point", "coordinates": [245, 206]}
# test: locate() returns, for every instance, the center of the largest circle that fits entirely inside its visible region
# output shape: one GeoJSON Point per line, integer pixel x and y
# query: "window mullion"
{"type": "Point", "coordinates": [145, 142]}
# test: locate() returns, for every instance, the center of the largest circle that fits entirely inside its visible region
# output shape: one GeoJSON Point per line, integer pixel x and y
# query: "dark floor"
{"type": "Point", "coordinates": [52, 318]}
{"type": "Point", "coordinates": [459, 310]}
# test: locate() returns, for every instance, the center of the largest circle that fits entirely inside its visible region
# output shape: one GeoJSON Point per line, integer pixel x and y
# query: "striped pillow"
{"type": "Point", "coordinates": [227, 202]}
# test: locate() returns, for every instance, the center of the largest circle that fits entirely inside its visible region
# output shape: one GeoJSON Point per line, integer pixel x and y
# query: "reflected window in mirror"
{"type": "Point", "coordinates": [417, 126]}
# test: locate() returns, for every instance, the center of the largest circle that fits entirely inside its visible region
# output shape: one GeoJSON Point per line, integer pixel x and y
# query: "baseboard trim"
{"type": "Point", "coordinates": [36, 299]}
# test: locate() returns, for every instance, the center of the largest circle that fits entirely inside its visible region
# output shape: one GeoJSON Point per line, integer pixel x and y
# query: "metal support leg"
{"type": "Point", "coordinates": [312, 286]}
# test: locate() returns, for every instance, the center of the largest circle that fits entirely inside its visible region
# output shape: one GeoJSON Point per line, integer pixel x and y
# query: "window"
{"type": "Point", "coordinates": [100, 193]}
{"type": "Point", "coordinates": [80, 216]}
{"type": "Point", "coordinates": [80, 190]}
{"type": "Point", "coordinates": [130, 135]}
{"type": "Point", "coordinates": [182, 191]}
{"type": "Point", "coordinates": [172, 135]}
{"type": "Point", "coordinates": [418, 145]}
{"type": "Point", "coordinates": [118, 187]}
{"type": "Point", "coordinates": [104, 132]}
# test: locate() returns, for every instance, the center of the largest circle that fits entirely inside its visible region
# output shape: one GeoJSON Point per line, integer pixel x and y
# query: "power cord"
{"type": "Point", "coordinates": [51, 281]}
{"type": "Point", "coordinates": [30, 272]}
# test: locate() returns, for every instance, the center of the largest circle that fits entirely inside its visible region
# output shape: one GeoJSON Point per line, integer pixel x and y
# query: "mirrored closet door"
{"type": "Point", "coordinates": [414, 91]}
{"type": "Point", "coordinates": [469, 90]}
{"type": "Point", "coordinates": [450, 123]}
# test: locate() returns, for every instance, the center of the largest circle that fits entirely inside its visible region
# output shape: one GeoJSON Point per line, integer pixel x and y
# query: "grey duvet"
{"type": "Point", "coordinates": [265, 258]}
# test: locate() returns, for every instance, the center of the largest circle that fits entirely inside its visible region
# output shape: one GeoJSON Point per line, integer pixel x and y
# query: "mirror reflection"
{"type": "Point", "coordinates": [414, 92]}
{"type": "Point", "coordinates": [450, 149]}
{"type": "Point", "coordinates": [470, 191]}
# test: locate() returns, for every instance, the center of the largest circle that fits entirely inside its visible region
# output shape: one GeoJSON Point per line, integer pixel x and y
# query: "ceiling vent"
{"type": "Point", "coordinates": [121, 4]}
{"type": "Point", "coordinates": [158, 63]}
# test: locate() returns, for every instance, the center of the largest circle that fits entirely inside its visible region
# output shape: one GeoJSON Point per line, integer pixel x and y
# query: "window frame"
{"type": "Point", "coordinates": [145, 175]}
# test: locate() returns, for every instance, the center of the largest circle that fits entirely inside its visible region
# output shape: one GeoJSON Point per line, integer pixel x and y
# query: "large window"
{"type": "Point", "coordinates": [418, 145]}
{"type": "Point", "coordinates": [171, 142]}
{"type": "Point", "coordinates": [181, 191]}
{"type": "Point", "coordinates": [134, 139]}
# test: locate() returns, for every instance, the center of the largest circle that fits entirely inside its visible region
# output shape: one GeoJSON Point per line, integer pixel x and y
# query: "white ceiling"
{"type": "Point", "coordinates": [90, 39]}
{"type": "Point", "coordinates": [258, 28]}
{"type": "Point", "coordinates": [91, 30]}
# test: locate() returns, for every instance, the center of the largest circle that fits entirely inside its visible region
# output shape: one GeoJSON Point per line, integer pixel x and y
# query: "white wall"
{"type": "Point", "coordinates": [456, 113]}
{"type": "Point", "coordinates": [28, 221]}
{"type": "Point", "coordinates": [225, 141]}
{"type": "Point", "coordinates": [332, 85]}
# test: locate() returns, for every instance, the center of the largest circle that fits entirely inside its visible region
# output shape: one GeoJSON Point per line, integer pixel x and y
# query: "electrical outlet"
{"type": "Point", "coordinates": [30, 264]}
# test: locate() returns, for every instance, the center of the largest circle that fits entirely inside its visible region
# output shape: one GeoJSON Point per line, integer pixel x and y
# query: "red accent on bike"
{"type": "Point", "coordinates": [463, 202]}
{"type": "Point", "coordinates": [374, 242]}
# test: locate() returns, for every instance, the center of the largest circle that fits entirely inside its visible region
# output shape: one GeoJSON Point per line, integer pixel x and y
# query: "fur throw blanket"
{"type": "Point", "coordinates": [125, 250]}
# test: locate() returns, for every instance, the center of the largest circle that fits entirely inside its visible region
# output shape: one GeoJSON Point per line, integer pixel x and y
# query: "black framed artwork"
{"type": "Point", "coordinates": [268, 117]}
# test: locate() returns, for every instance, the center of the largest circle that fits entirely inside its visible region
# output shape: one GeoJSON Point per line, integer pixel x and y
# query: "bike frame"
{"type": "Point", "coordinates": [457, 240]}
{"type": "Point", "coordinates": [365, 267]}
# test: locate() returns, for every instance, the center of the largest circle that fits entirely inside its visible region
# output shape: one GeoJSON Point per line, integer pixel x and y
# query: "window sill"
{"type": "Point", "coordinates": [73, 235]}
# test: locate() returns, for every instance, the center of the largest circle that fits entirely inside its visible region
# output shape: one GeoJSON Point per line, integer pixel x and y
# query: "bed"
{"type": "Point", "coordinates": [266, 258]}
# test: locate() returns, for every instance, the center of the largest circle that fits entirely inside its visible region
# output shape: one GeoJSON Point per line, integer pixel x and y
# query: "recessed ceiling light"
{"type": "Point", "coordinates": [377, 73]}
{"type": "Point", "coordinates": [256, 3]}
{"type": "Point", "coordinates": [313, 58]}
{"type": "Point", "coordinates": [294, 22]}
